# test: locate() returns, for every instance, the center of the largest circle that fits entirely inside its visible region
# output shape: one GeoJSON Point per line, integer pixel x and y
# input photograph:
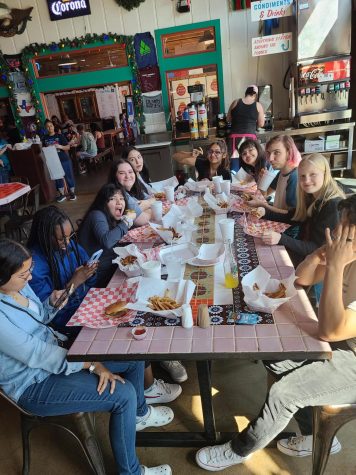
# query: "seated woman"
{"type": "Point", "coordinates": [103, 225]}
{"type": "Point", "coordinates": [60, 261]}
{"type": "Point", "coordinates": [132, 155]}
{"type": "Point", "coordinates": [318, 196]}
{"type": "Point", "coordinates": [122, 173]}
{"type": "Point", "coordinates": [98, 136]}
{"type": "Point", "coordinates": [216, 163]}
{"type": "Point", "coordinates": [253, 159]}
{"type": "Point", "coordinates": [284, 156]}
{"type": "Point", "coordinates": [88, 148]}
{"type": "Point", "coordinates": [36, 374]}
{"type": "Point", "coordinates": [308, 383]}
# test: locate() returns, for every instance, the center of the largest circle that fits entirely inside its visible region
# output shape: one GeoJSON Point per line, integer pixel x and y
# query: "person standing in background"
{"type": "Point", "coordinates": [245, 115]}
{"type": "Point", "coordinates": [89, 148]}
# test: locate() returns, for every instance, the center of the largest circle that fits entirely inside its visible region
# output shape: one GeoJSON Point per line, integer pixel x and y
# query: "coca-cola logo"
{"type": "Point", "coordinates": [311, 74]}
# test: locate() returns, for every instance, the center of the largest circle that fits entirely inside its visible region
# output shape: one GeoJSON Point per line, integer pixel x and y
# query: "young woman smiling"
{"type": "Point", "coordinates": [216, 163]}
{"type": "Point", "coordinates": [318, 196]}
{"type": "Point", "coordinates": [123, 173]}
{"type": "Point", "coordinates": [36, 374]}
{"type": "Point", "coordinates": [253, 159]}
{"type": "Point", "coordinates": [134, 156]}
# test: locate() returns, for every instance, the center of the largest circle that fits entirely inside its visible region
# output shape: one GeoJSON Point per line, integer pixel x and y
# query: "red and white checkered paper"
{"type": "Point", "coordinates": [256, 227]}
{"type": "Point", "coordinates": [91, 311]}
{"type": "Point", "coordinates": [142, 234]}
{"type": "Point", "coordinates": [241, 206]}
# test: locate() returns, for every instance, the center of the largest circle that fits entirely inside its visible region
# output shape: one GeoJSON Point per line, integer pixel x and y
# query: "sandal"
{"type": "Point", "coordinates": [159, 416]}
{"type": "Point", "coordinates": [159, 470]}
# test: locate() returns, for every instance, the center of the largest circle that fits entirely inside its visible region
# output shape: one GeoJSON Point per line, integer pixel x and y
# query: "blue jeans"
{"type": "Point", "coordinates": [60, 394]}
{"type": "Point", "coordinates": [69, 176]}
{"type": "Point", "coordinates": [302, 385]}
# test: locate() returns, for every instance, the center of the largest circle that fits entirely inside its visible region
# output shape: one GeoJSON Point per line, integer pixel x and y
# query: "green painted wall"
{"type": "Point", "coordinates": [190, 61]}
{"type": "Point", "coordinates": [3, 92]}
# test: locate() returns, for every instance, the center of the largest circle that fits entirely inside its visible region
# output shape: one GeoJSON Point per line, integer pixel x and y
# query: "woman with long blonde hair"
{"type": "Point", "coordinates": [318, 196]}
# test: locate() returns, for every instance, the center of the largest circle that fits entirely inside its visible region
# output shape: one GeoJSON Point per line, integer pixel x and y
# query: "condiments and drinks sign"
{"type": "Point", "coordinates": [272, 44]}
{"type": "Point", "coordinates": [62, 9]}
{"type": "Point", "coordinates": [269, 9]}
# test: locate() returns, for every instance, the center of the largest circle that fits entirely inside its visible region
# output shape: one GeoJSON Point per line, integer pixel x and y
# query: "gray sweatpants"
{"type": "Point", "coordinates": [301, 384]}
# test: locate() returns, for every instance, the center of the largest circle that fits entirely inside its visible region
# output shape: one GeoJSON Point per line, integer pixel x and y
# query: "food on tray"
{"type": "Point", "coordinates": [163, 303]}
{"type": "Point", "coordinates": [160, 195]}
{"type": "Point", "coordinates": [116, 309]}
{"type": "Point", "coordinates": [246, 196]}
{"type": "Point", "coordinates": [223, 204]}
{"type": "Point", "coordinates": [255, 286]}
{"type": "Point", "coordinates": [172, 230]}
{"type": "Point", "coordinates": [256, 212]}
{"type": "Point", "coordinates": [128, 260]}
{"type": "Point", "coordinates": [278, 294]}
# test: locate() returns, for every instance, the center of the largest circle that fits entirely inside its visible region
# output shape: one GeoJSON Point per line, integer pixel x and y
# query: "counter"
{"type": "Point", "coordinates": [157, 155]}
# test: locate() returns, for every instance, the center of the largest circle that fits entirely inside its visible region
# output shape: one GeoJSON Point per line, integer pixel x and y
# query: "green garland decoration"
{"type": "Point", "coordinates": [129, 4]}
{"type": "Point", "coordinates": [66, 44]}
{"type": "Point", "coordinates": [10, 85]}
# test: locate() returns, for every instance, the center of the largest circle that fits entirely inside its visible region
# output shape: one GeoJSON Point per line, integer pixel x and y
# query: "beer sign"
{"type": "Point", "coordinates": [62, 9]}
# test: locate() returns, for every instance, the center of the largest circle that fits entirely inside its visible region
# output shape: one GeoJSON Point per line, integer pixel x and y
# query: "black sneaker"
{"type": "Point", "coordinates": [60, 198]}
{"type": "Point", "coordinates": [72, 197]}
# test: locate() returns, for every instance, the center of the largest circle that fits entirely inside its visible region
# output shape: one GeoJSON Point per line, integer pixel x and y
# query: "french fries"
{"type": "Point", "coordinates": [163, 303]}
{"type": "Point", "coordinates": [128, 260]}
{"type": "Point", "coordinates": [278, 294]}
{"type": "Point", "coordinates": [255, 212]}
{"type": "Point", "coordinates": [160, 195]}
{"type": "Point", "coordinates": [246, 196]}
{"type": "Point", "coordinates": [223, 204]}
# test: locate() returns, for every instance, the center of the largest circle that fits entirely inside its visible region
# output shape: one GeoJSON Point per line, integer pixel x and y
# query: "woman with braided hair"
{"type": "Point", "coordinates": [60, 261]}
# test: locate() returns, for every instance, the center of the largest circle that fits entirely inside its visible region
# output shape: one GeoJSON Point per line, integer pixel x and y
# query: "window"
{"type": "Point", "coordinates": [84, 60]}
{"type": "Point", "coordinates": [201, 40]}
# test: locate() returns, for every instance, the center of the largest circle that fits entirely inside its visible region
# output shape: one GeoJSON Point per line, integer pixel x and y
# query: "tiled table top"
{"type": "Point", "coordinates": [293, 335]}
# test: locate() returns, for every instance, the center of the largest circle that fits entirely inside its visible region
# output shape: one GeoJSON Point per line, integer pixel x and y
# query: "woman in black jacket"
{"type": "Point", "coordinates": [318, 196]}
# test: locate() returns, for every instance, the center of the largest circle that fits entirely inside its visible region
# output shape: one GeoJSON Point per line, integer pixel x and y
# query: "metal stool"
{"type": "Point", "coordinates": [81, 425]}
{"type": "Point", "coordinates": [327, 420]}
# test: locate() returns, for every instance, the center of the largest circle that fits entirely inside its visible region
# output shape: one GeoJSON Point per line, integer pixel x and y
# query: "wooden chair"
{"type": "Point", "coordinates": [327, 420]}
{"type": "Point", "coordinates": [80, 425]}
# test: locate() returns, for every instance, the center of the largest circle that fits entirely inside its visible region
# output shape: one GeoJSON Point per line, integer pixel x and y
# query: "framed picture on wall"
{"type": "Point", "coordinates": [130, 110]}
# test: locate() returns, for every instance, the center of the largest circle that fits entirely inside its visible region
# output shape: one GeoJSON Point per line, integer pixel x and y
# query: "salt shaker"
{"type": "Point", "coordinates": [187, 316]}
{"type": "Point", "coordinates": [203, 316]}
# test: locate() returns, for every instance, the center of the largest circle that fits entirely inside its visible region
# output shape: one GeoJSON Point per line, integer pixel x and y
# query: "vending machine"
{"type": "Point", "coordinates": [321, 70]}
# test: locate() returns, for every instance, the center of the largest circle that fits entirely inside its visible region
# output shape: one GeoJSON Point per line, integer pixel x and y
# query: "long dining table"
{"type": "Point", "coordinates": [290, 332]}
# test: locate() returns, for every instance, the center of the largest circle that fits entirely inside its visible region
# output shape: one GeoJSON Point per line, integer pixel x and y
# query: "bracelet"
{"type": "Point", "coordinates": [91, 368]}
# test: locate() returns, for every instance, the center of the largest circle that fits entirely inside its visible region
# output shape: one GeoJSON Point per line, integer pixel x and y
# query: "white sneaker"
{"type": "Point", "coordinates": [218, 457]}
{"type": "Point", "coordinates": [176, 370]}
{"type": "Point", "coordinates": [160, 470]}
{"type": "Point", "coordinates": [302, 446]}
{"type": "Point", "coordinates": [157, 416]}
{"type": "Point", "coordinates": [161, 392]}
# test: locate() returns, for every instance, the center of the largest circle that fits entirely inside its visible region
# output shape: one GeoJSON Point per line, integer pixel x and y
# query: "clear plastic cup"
{"type": "Point", "coordinates": [227, 227]}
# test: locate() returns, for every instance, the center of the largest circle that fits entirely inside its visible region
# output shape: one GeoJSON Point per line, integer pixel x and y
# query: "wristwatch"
{"type": "Point", "coordinates": [92, 368]}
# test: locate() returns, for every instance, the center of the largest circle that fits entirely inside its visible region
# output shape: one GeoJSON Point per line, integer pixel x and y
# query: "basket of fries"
{"type": "Point", "coordinates": [162, 297]}
{"type": "Point", "coordinates": [129, 260]}
{"type": "Point", "coordinates": [220, 203]}
{"type": "Point", "coordinates": [242, 180]}
{"type": "Point", "coordinates": [264, 294]}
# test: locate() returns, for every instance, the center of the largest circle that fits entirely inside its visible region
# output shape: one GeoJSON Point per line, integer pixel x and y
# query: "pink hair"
{"type": "Point", "coordinates": [294, 154]}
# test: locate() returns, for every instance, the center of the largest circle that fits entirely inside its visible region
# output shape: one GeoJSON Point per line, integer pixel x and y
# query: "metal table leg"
{"type": "Point", "coordinates": [204, 377]}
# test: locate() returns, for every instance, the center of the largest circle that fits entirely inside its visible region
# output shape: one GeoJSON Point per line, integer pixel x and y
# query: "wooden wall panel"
{"type": "Point", "coordinates": [148, 16]}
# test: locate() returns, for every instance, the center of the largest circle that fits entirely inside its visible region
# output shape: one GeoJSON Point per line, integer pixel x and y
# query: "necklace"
{"type": "Point", "coordinates": [15, 296]}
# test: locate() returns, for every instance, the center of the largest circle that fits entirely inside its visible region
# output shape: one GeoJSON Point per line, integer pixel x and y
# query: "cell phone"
{"type": "Point", "coordinates": [95, 257]}
{"type": "Point", "coordinates": [67, 293]}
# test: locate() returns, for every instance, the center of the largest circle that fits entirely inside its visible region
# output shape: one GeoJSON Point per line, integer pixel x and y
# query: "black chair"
{"type": "Point", "coordinates": [80, 425]}
{"type": "Point", "coordinates": [19, 225]}
{"type": "Point", "coordinates": [327, 420]}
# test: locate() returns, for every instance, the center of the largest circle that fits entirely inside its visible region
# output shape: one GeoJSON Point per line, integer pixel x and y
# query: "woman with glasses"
{"type": "Point", "coordinates": [35, 372]}
{"type": "Point", "coordinates": [59, 261]}
{"type": "Point", "coordinates": [216, 162]}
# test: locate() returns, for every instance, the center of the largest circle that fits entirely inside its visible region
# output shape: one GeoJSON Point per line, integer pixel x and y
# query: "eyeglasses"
{"type": "Point", "coordinates": [66, 238]}
{"type": "Point", "coordinates": [215, 152]}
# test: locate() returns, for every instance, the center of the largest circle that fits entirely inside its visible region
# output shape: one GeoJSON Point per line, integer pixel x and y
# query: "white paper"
{"type": "Point", "coordinates": [213, 202]}
{"type": "Point", "coordinates": [174, 215]}
{"type": "Point", "coordinates": [255, 299]}
{"type": "Point", "coordinates": [181, 291]}
{"type": "Point", "coordinates": [130, 270]}
{"type": "Point", "coordinates": [158, 186]}
{"type": "Point", "coordinates": [197, 186]}
{"type": "Point", "coordinates": [242, 179]}
{"type": "Point", "coordinates": [53, 162]}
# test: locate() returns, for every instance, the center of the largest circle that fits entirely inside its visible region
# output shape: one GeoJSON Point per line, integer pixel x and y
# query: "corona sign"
{"type": "Point", "coordinates": [62, 9]}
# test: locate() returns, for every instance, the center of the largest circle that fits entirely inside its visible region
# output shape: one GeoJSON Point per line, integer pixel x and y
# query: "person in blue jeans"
{"type": "Point", "coordinates": [308, 383]}
{"type": "Point", "coordinates": [61, 143]}
{"type": "Point", "coordinates": [35, 372]}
